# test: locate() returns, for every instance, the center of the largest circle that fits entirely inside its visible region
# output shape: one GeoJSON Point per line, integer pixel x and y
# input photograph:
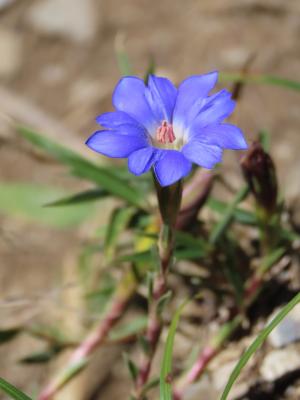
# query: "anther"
{"type": "Point", "coordinates": [165, 133]}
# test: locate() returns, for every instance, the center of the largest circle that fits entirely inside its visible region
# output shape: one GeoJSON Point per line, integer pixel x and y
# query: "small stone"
{"type": "Point", "coordinates": [73, 19]}
{"type": "Point", "coordinates": [235, 57]}
{"type": "Point", "coordinates": [10, 53]}
{"type": "Point", "coordinates": [201, 390]}
{"type": "Point", "coordinates": [5, 3]}
{"type": "Point", "coordinates": [288, 331]}
{"type": "Point", "coordinates": [279, 362]}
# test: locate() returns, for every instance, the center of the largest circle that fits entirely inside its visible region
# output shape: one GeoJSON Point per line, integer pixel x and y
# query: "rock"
{"type": "Point", "coordinates": [5, 3]}
{"type": "Point", "coordinates": [221, 375]}
{"type": "Point", "coordinates": [73, 19]}
{"type": "Point", "coordinates": [288, 331]}
{"type": "Point", "coordinates": [235, 57]}
{"type": "Point", "coordinates": [201, 390]}
{"type": "Point", "coordinates": [10, 53]}
{"type": "Point", "coordinates": [279, 362]}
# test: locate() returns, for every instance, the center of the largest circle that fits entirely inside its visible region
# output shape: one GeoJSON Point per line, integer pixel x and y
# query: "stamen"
{"type": "Point", "coordinates": [165, 133]}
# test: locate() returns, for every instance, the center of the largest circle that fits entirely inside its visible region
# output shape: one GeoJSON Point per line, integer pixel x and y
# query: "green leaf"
{"type": "Point", "coordinates": [8, 334]}
{"type": "Point", "coordinates": [270, 259]}
{"type": "Point", "coordinates": [189, 254]}
{"type": "Point", "coordinates": [78, 198]}
{"type": "Point", "coordinates": [240, 215]}
{"type": "Point", "coordinates": [12, 391]}
{"type": "Point", "coordinates": [152, 383]}
{"type": "Point", "coordinates": [150, 69]}
{"type": "Point", "coordinates": [131, 328]}
{"type": "Point", "coordinates": [163, 301]}
{"type": "Point", "coordinates": [117, 224]}
{"type": "Point", "coordinates": [139, 257]}
{"type": "Point", "coordinates": [190, 241]}
{"type": "Point", "coordinates": [264, 138]}
{"type": "Point", "coordinates": [83, 168]}
{"type": "Point", "coordinates": [26, 200]}
{"type": "Point", "coordinates": [260, 79]}
{"type": "Point", "coordinates": [41, 357]}
{"type": "Point", "coordinates": [229, 265]}
{"type": "Point", "coordinates": [257, 343]}
{"type": "Point", "coordinates": [124, 65]}
{"type": "Point", "coordinates": [220, 227]}
{"type": "Point", "coordinates": [132, 368]}
{"type": "Point", "coordinates": [166, 368]}
{"type": "Point", "coordinates": [148, 256]}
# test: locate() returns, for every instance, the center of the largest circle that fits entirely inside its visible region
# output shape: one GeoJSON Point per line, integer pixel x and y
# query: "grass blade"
{"type": "Point", "coordinates": [257, 343]}
{"type": "Point", "coordinates": [12, 391]}
{"type": "Point", "coordinates": [78, 198]}
{"type": "Point", "coordinates": [220, 228]}
{"type": "Point", "coordinates": [260, 79]}
{"type": "Point", "coordinates": [83, 168]}
{"type": "Point", "coordinates": [122, 57]}
{"type": "Point", "coordinates": [117, 224]}
{"type": "Point", "coordinates": [165, 385]}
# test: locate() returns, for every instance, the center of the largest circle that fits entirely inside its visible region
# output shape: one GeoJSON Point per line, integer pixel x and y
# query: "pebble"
{"type": "Point", "coordinates": [73, 19]}
{"type": "Point", "coordinates": [10, 53]}
{"type": "Point", "coordinates": [278, 363]}
{"type": "Point", "coordinates": [202, 389]}
{"type": "Point", "coordinates": [5, 3]}
{"type": "Point", "coordinates": [288, 331]}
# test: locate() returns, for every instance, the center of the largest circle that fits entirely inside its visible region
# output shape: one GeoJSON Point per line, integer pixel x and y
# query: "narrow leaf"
{"type": "Point", "coordinates": [257, 343]}
{"type": "Point", "coordinates": [124, 65]}
{"type": "Point", "coordinates": [131, 328]}
{"type": "Point", "coordinates": [117, 224]}
{"type": "Point", "coordinates": [240, 215]}
{"type": "Point", "coordinates": [132, 368]}
{"type": "Point", "coordinates": [166, 368]}
{"type": "Point", "coordinates": [12, 391]}
{"type": "Point", "coordinates": [83, 168]}
{"type": "Point", "coordinates": [220, 228]}
{"type": "Point", "coordinates": [260, 79]}
{"type": "Point", "coordinates": [78, 198]}
{"type": "Point", "coordinates": [40, 357]}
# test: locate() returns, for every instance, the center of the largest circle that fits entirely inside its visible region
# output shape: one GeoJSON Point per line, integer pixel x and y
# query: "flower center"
{"type": "Point", "coordinates": [165, 133]}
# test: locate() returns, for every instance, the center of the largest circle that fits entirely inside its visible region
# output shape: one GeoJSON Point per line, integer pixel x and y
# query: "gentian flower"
{"type": "Point", "coordinates": [157, 125]}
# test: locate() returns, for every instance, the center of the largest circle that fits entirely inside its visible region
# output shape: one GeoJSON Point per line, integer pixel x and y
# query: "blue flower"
{"type": "Point", "coordinates": [160, 126]}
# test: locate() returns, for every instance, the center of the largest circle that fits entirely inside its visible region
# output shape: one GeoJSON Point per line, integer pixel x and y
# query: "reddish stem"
{"type": "Point", "coordinates": [85, 349]}
{"type": "Point", "coordinates": [198, 368]}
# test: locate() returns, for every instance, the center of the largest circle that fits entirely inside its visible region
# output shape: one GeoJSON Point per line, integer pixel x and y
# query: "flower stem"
{"type": "Point", "coordinates": [169, 199]}
{"type": "Point", "coordinates": [206, 355]}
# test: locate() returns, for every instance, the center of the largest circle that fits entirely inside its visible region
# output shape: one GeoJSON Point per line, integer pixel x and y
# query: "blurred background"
{"type": "Point", "coordinates": [58, 67]}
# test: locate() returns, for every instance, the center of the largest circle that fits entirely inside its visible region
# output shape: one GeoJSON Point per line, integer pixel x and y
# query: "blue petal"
{"type": "Point", "coordinates": [141, 160]}
{"type": "Point", "coordinates": [171, 167]}
{"type": "Point", "coordinates": [215, 110]}
{"type": "Point", "coordinates": [161, 96]}
{"type": "Point", "coordinates": [205, 155]}
{"type": "Point", "coordinates": [129, 96]}
{"type": "Point", "coordinates": [191, 93]}
{"type": "Point", "coordinates": [115, 144]}
{"type": "Point", "coordinates": [114, 119]}
{"type": "Point", "coordinates": [226, 136]}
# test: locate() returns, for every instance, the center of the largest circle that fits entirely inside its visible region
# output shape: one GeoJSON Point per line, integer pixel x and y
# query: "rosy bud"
{"type": "Point", "coordinates": [259, 171]}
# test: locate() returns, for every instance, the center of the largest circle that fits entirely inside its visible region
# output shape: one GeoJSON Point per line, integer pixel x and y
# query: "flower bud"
{"type": "Point", "coordinates": [259, 171]}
